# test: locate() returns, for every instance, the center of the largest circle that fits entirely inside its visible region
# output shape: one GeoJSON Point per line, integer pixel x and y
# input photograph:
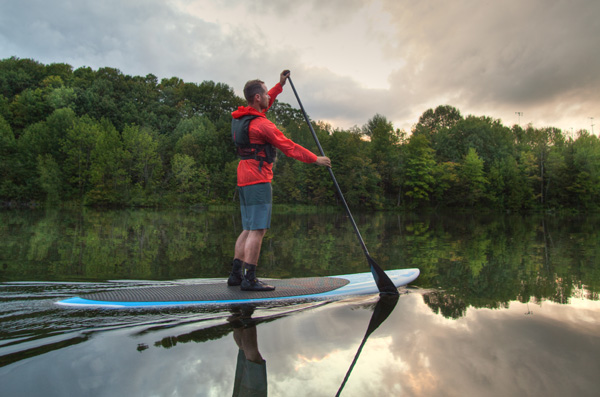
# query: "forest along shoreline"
{"type": "Point", "coordinates": [71, 137]}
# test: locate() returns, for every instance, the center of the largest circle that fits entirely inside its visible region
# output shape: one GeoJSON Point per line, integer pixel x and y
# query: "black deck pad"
{"type": "Point", "coordinates": [219, 291]}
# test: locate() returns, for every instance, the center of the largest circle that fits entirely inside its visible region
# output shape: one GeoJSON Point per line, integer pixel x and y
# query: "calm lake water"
{"type": "Point", "coordinates": [506, 305]}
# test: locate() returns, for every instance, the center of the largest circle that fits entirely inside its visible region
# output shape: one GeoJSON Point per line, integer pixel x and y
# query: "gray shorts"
{"type": "Point", "coordinates": [256, 205]}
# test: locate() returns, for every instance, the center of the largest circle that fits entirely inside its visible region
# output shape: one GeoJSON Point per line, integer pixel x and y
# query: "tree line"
{"type": "Point", "coordinates": [103, 138]}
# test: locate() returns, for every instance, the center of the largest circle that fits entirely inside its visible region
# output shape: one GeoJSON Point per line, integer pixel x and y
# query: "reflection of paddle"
{"type": "Point", "coordinates": [384, 307]}
{"type": "Point", "coordinates": [384, 284]}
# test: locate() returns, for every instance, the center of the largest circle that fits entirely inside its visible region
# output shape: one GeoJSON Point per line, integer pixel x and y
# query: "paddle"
{"type": "Point", "coordinates": [384, 284]}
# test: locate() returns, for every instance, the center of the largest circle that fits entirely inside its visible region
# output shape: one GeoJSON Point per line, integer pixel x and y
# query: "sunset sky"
{"type": "Point", "coordinates": [350, 59]}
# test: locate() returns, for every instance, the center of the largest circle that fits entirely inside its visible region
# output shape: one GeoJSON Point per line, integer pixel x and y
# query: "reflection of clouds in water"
{"type": "Point", "coordinates": [586, 317]}
{"type": "Point", "coordinates": [326, 371]}
{"type": "Point", "coordinates": [318, 360]}
{"type": "Point", "coordinates": [186, 369]}
{"type": "Point", "coordinates": [419, 353]}
{"type": "Point", "coordinates": [497, 352]}
{"type": "Point", "coordinates": [415, 352]}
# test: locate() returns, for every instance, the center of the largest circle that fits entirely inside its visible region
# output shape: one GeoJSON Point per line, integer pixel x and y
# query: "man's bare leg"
{"type": "Point", "coordinates": [240, 245]}
{"type": "Point", "coordinates": [252, 246]}
{"type": "Point", "coordinates": [248, 244]}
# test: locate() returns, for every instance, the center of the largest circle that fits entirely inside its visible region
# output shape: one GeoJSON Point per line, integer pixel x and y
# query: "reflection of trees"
{"type": "Point", "coordinates": [491, 261]}
{"type": "Point", "coordinates": [445, 304]}
{"type": "Point", "coordinates": [128, 244]}
{"type": "Point", "coordinates": [480, 260]}
{"type": "Point", "coordinates": [197, 336]}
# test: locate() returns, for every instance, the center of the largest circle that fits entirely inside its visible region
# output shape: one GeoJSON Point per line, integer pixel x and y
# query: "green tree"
{"type": "Point", "coordinates": [289, 185]}
{"type": "Point", "coordinates": [40, 139]}
{"type": "Point", "coordinates": [110, 182]}
{"type": "Point", "coordinates": [200, 140]}
{"type": "Point", "coordinates": [446, 187]}
{"type": "Point", "coordinates": [540, 143]}
{"type": "Point", "coordinates": [17, 75]}
{"type": "Point", "coordinates": [190, 181]}
{"type": "Point", "coordinates": [142, 163]}
{"type": "Point", "coordinates": [61, 97]}
{"type": "Point", "coordinates": [433, 121]}
{"type": "Point", "coordinates": [472, 178]}
{"type": "Point", "coordinates": [489, 137]}
{"type": "Point", "coordinates": [385, 155]}
{"type": "Point", "coordinates": [529, 174]}
{"type": "Point", "coordinates": [355, 172]}
{"type": "Point", "coordinates": [28, 107]}
{"type": "Point", "coordinates": [170, 99]}
{"type": "Point", "coordinates": [50, 179]}
{"type": "Point", "coordinates": [208, 146]}
{"type": "Point", "coordinates": [58, 123]}
{"type": "Point", "coordinates": [418, 172]}
{"type": "Point", "coordinates": [509, 187]}
{"type": "Point", "coordinates": [556, 178]}
{"type": "Point", "coordinates": [284, 115]}
{"type": "Point", "coordinates": [8, 161]}
{"type": "Point", "coordinates": [62, 70]}
{"type": "Point", "coordinates": [209, 99]}
{"type": "Point", "coordinates": [585, 173]}
{"type": "Point", "coordinates": [77, 147]}
{"type": "Point", "coordinates": [36, 140]}
{"type": "Point", "coordinates": [184, 172]}
{"type": "Point", "coordinates": [5, 109]}
{"type": "Point", "coordinates": [56, 95]}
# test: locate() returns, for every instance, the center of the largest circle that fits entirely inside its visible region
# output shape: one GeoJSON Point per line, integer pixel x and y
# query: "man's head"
{"type": "Point", "coordinates": [255, 92]}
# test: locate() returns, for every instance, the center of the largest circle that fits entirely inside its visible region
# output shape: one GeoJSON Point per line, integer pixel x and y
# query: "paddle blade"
{"type": "Point", "coordinates": [385, 306]}
{"type": "Point", "coordinates": [384, 284]}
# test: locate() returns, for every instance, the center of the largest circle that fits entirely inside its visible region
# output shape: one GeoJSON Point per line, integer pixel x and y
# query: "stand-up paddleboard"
{"type": "Point", "coordinates": [218, 293]}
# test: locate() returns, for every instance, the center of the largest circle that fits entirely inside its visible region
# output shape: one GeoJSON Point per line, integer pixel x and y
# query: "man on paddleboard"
{"type": "Point", "coordinates": [256, 139]}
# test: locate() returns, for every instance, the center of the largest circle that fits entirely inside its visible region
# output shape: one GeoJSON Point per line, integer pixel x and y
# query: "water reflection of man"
{"type": "Point", "coordinates": [251, 369]}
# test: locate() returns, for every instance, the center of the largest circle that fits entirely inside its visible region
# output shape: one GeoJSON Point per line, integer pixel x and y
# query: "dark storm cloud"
{"type": "Point", "coordinates": [483, 57]}
{"type": "Point", "coordinates": [499, 54]}
{"type": "Point", "coordinates": [79, 30]}
{"type": "Point", "coordinates": [137, 37]}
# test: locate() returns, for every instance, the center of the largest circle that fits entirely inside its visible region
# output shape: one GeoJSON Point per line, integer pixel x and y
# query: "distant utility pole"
{"type": "Point", "coordinates": [591, 118]}
{"type": "Point", "coordinates": [519, 114]}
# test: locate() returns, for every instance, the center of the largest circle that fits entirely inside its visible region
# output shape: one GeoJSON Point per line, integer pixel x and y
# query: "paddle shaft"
{"type": "Point", "coordinates": [337, 186]}
{"type": "Point", "coordinates": [384, 284]}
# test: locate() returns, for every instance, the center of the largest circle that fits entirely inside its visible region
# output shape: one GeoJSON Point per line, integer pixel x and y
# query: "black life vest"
{"type": "Point", "coordinates": [245, 149]}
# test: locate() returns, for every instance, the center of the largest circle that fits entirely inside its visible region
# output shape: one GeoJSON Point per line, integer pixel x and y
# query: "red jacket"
{"type": "Point", "coordinates": [262, 131]}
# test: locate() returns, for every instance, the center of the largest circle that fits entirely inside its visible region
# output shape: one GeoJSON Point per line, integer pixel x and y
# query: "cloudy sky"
{"type": "Point", "coordinates": [350, 59]}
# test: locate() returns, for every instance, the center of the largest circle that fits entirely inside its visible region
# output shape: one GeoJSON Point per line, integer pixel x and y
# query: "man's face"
{"type": "Point", "coordinates": [264, 98]}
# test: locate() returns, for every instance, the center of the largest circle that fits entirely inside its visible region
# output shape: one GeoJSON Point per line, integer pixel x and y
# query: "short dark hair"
{"type": "Point", "coordinates": [252, 88]}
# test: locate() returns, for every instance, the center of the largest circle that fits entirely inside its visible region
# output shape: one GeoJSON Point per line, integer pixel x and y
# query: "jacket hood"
{"type": "Point", "coordinates": [245, 111]}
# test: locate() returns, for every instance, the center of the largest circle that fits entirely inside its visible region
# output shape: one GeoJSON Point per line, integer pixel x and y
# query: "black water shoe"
{"type": "Point", "coordinates": [235, 277]}
{"type": "Point", "coordinates": [250, 282]}
{"type": "Point", "coordinates": [255, 285]}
